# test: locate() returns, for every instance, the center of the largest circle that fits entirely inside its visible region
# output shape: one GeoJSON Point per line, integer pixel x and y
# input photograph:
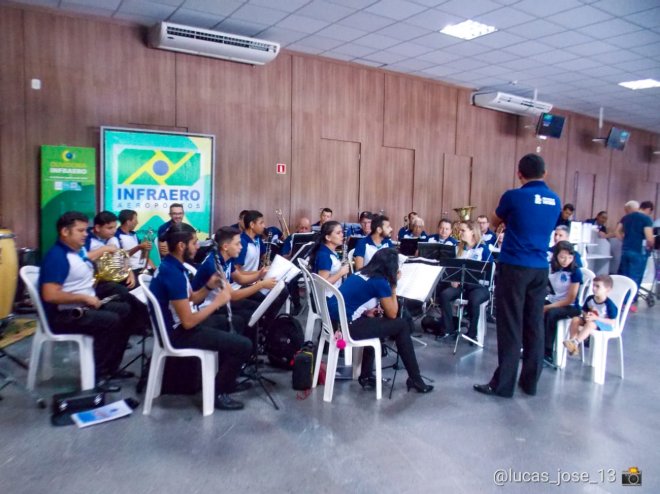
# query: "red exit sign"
{"type": "Point", "coordinates": [281, 168]}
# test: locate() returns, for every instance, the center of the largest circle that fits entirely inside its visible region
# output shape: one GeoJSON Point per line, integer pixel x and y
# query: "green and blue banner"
{"type": "Point", "coordinates": [148, 171]}
{"type": "Point", "coordinates": [68, 183]}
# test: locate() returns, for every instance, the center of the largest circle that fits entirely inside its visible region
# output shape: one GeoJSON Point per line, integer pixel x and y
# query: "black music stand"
{"type": "Point", "coordinates": [408, 246]}
{"type": "Point", "coordinates": [436, 251]}
{"type": "Point", "coordinates": [256, 375]}
{"type": "Point", "coordinates": [466, 272]}
{"type": "Point", "coordinates": [352, 242]}
{"type": "Point", "coordinates": [301, 243]}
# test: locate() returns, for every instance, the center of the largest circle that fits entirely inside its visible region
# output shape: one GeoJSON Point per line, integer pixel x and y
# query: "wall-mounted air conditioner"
{"type": "Point", "coordinates": [510, 103]}
{"type": "Point", "coordinates": [187, 39]}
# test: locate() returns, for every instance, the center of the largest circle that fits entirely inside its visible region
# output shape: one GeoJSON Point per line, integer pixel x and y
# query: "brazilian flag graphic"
{"type": "Point", "coordinates": [158, 167]}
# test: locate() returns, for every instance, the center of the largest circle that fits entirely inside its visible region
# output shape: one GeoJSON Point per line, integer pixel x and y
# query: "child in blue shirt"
{"type": "Point", "coordinates": [599, 313]}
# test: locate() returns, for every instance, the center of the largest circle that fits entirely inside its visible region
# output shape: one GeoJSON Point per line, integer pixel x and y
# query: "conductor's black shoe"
{"type": "Point", "coordinates": [486, 389]}
{"type": "Point", "coordinates": [418, 385]}
{"type": "Point", "coordinates": [526, 390]}
{"type": "Point", "coordinates": [226, 402]}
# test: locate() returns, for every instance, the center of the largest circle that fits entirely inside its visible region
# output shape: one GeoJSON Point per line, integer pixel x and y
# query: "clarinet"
{"type": "Point", "coordinates": [269, 242]}
{"type": "Point", "coordinates": [344, 249]}
{"type": "Point", "coordinates": [223, 277]}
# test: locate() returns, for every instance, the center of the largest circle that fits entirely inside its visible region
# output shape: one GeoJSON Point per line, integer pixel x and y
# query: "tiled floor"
{"type": "Point", "coordinates": [452, 440]}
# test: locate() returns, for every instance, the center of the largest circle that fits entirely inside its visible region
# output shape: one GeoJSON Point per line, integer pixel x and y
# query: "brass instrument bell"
{"type": "Point", "coordinates": [465, 212]}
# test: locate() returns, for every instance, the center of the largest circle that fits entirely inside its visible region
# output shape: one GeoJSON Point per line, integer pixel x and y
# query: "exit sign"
{"type": "Point", "coordinates": [281, 168]}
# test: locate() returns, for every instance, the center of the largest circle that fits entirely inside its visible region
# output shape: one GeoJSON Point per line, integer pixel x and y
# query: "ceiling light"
{"type": "Point", "coordinates": [641, 84]}
{"type": "Point", "coordinates": [468, 30]}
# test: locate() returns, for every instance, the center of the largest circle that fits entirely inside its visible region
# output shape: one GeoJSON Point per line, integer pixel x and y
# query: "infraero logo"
{"type": "Point", "coordinates": [152, 178]}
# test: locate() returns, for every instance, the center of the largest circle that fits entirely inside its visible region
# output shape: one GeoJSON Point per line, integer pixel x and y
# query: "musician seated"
{"type": "Point", "coordinates": [365, 224]}
{"type": "Point", "coordinates": [405, 230]}
{"type": "Point", "coordinates": [239, 223]}
{"type": "Point", "coordinates": [487, 235]}
{"type": "Point", "coordinates": [247, 263]}
{"type": "Point", "coordinates": [73, 305]}
{"type": "Point", "coordinates": [325, 215]}
{"type": "Point", "coordinates": [379, 239]}
{"type": "Point", "coordinates": [417, 230]}
{"type": "Point", "coordinates": [323, 258]}
{"type": "Point", "coordinates": [189, 327]}
{"type": "Point", "coordinates": [228, 240]}
{"type": "Point", "coordinates": [561, 235]}
{"type": "Point", "coordinates": [138, 250]}
{"type": "Point", "coordinates": [303, 226]}
{"type": "Point", "coordinates": [444, 233]}
{"type": "Point", "coordinates": [362, 292]}
{"type": "Point", "coordinates": [470, 247]}
{"type": "Point", "coordinates": [176, 217]}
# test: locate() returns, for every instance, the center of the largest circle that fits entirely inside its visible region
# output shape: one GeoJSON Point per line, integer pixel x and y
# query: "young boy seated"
{"type": "Point", "coordinates": [598, 314]}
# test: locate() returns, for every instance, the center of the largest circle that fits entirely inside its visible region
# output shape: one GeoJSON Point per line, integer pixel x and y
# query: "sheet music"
{"type": "Point", "coordinates": [263, 307]}
{"type": "Point", "coordinates": [281, 269]}
{"type": "Point", "coordinates": [417, 280]}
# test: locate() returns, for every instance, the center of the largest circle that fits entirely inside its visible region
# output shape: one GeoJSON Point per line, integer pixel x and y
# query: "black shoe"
{"type": "Point", "coordinates": [548, 361]}
{"type": "Point", "coordinates": [486, 389]}
{"type": "Point", "coordinates": [418, 385]}
{"type": "Point", "coordinates": [242, 386]}
{"type": "Point", "coordinates": [367, 382]}
{"type": "Point", "coordinates": [525, 390]}
{"type": "Point", "coordinates": [226, 402]}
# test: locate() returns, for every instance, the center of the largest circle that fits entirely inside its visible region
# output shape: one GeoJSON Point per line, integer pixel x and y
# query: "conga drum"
{"type": "Point", "coordinates": [8, 272]}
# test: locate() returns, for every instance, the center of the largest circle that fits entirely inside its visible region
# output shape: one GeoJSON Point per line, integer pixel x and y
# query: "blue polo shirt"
{"type": "Point", "coordinates": [489, 237]}
{"type": "Point", "coordinates": [530, 214]}
{"type": "Point", "coordinates": [69, 268]}
{"type": "Point", "coordinates": [633, 229]}
{"type": "Point", "coordinates": [250, 253]}
{"type": "Point", "coordinates": [285, 250]}
{"type": "Point", "coordinates": [423, 237]}
{"type": "Point", "coordinates": [170, 282]}
{"type": "Point", "coordinates": [479, 252]}
{"type": "Point", "coordinates": [92, 242]}
{"type": "Point", "coordinates": [366, 248]}
{"type": "Point", "coordinates": [163, 229]}
{"type": "Point", "coordinates": [435, 239]}
{"type": "Point", "coordinates": [403, 231]}
{"type": "Point", "coordinates": [360, 294]}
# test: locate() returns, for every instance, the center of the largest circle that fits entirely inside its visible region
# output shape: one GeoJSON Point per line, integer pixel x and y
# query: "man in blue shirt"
{"type": "Point", "coordinates": [176, 216]}
{"type": "Point", "coordinates": [529, 213]}
{"type": "Point", "coordinates": [379, 239]}
{"type": "Point", "coordinates": [487, 235]}
{"type": "Point", "coordinates": [636, 230]}
{"type": "Point", "coordinates": [74, 306]}
{"type": "Point", "coordinates": [191, 328]}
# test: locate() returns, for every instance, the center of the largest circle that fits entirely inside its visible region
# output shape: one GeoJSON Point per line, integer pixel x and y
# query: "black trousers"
{"type": "Point", "coordinates": [550, 320]}
{"type": "Point", "coordinates": [381, 327]}
{"type": "Point", "coordinates": [214, 334]}
{"type": "Point", "coordinates": [520, 294]}
{"type": "Point", "coordinates": [138, 317]}
{"type": "Point", "coordinates": [475, 296]}
{"type": "Point", "coordinates": [107, 325]}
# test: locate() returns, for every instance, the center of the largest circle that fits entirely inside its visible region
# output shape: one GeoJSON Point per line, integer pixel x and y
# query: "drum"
{"type": "Point", "coordinates": [8, 272]}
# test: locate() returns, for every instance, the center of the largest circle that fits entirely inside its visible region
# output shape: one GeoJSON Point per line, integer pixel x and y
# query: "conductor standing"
{"type": "Point", "coordinates": [530, 214]}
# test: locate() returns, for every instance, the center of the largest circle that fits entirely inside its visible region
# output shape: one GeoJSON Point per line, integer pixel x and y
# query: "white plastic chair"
{"type": "Point", "coordinates": [351, 263]}
{"type": "Point", "coordinates": [310, 293]}
{"type": "Point", "coordinates": [163, 348]}
{"type": "Point", "coordinates": [600, 339]}
{"type": "Point", "coordinates": [43, 334]}
{"type": "Point", "coordinates": [323, 288]}
{"type": "Point", "coordinates": [561, 333]}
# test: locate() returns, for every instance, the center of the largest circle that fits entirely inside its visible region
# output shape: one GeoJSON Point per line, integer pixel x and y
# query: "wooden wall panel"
{"type": "Point", "coordinates": [248, 109]}
{"type": "Point", "coordinates": [457, 181]}
{"type": "Point", "coordinates": [16, 179]}
{"type": "Point", "coordinates": [408, 130]}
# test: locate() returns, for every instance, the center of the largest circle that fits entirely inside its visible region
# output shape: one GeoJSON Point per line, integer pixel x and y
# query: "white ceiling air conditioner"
{"type": "Point", "coordinates": [187, 39]}
{"type": "Point", "coordinates": [510, 103]}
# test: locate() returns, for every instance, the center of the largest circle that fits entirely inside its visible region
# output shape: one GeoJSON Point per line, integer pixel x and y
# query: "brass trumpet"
{"type": "Point", "coordinates": [283, 226]}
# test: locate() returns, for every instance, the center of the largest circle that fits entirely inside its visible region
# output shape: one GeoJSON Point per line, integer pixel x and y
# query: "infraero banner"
{"type": "Point", "coordinates": [148, 171]}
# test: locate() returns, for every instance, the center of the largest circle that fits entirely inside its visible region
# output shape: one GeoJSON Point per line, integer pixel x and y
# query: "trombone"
{"type": "Point", "coordinates": [283, 226]}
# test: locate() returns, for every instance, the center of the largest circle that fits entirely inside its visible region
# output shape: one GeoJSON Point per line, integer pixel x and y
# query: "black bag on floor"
{"type": "Point", "coordinates": [182, 376]}
{"type": "Point", "coordinates": [284, 337]}
{"type": "Point", "coordinates": [303, 367]}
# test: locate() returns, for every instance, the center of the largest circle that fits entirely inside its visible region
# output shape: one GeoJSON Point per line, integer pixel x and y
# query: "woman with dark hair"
{"type": "Point", "coordinates": [323, 258]}
{"type": "Point", "coordinates": [564, 282]}
{"type": "Point", "coordinates": [362, 293]}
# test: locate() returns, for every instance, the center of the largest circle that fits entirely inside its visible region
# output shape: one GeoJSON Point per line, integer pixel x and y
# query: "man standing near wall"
{"type": "Point", "coordinates": [176, 216]}
{"type": "Point", "coordinates": [530, 214]}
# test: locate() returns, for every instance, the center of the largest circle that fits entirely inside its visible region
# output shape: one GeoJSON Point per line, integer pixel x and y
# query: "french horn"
{"type": "Point", "coordinates": [113, 266]}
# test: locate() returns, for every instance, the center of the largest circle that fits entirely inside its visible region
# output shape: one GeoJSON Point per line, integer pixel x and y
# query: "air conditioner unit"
{"type": "Point", "coordinates": [510, 103]}
{"type": "Point", "coordinates": [186, 39]}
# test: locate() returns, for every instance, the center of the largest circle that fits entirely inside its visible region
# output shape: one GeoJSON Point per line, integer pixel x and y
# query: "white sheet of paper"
{"type": "Point", "coordinates": [417, 281]}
